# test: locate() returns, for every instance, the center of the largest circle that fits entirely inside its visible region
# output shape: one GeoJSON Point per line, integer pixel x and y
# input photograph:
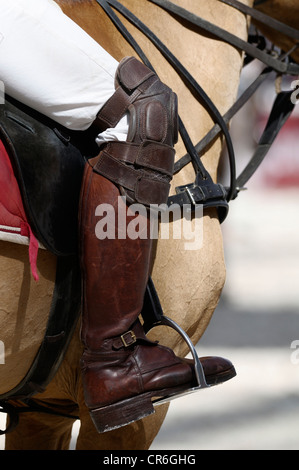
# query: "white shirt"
{"type": "Point", "coordinates": [49, 63]}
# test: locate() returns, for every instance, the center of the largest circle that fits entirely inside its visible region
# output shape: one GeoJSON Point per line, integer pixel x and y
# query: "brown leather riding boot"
{"type": "Point", "coordinates": [122, 370]}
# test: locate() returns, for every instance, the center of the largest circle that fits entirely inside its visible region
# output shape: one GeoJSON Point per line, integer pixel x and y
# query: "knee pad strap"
{"type": "Point", "coordinates": [142, 170]}
{"type": "Point", "coordinates": [152, 106]}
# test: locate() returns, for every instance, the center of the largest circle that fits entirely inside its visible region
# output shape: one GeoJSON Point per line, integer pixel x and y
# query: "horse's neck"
{"type": "Point", "coordinates": [215, 65]}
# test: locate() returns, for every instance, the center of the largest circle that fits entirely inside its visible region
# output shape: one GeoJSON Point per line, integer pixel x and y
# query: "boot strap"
{"type": "Point", "coordinates": [148, 154]}
{"type": "Point", "coordinates": [124, 164]}
{"type": "Point", "coordinates": [130, 337]}
{"type": "Point", "coordinates": [125, 340]}
{"type": "Point", "coordinates": [111, 113]}
{"type": "Point", "coordinates": [133, 78]}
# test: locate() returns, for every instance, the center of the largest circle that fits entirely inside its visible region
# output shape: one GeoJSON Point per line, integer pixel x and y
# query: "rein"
{"type": "Point", "coordinates": [203, 190]}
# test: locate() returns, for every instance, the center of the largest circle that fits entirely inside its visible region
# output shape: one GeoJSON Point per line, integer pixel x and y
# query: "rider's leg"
{"type": "Point", "coordinates": [122, 369]}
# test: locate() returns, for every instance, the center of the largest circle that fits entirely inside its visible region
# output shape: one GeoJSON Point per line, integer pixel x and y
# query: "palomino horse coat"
{"type": "Point", "coordinates": [189, 282]}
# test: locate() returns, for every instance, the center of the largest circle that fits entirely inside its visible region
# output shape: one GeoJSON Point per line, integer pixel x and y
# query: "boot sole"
{"type": "Point", "coordinates": [221, 377]}
{"type": "Point", "coordinates": [122, 413]}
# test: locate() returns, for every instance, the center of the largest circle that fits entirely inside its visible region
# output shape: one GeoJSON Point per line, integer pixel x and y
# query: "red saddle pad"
{"type": "Point", "coordinates": [13, 219]}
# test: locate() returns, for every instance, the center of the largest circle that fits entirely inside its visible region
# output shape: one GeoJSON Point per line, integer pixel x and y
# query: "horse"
{"type": "Point", "coordinates": [287, 13]}
{"type": "Point", "coordinates": [188, 282]}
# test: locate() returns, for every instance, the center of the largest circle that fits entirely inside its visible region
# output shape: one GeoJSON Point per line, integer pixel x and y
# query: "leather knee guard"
{"type": "Point", "coordinates": [143, 165]}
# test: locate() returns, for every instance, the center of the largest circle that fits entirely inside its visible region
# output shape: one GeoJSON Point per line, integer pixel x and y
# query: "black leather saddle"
{"type": "Point", "coordinates": [48, 161]}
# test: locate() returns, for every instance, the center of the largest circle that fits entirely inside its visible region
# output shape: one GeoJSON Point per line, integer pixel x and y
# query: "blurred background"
{"type": "Point", "coordinates": [257, 319]}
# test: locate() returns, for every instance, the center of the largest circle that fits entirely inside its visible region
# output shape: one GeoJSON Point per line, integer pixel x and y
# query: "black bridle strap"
{"type": "Point", "coordinates": [215, 131]}
{"type": "Point", "coordinates": [281, 111]}
{"type": "Point", "coordinates": [265, 19]}
{"type": "Point", "coordinates": [251, 50]}
{"type": "Point", "coordinates": [279, 114]}
{"type": "Point", "coordinates": [282, 108]}
{"type": "Point", "coordinates": [211, 108]}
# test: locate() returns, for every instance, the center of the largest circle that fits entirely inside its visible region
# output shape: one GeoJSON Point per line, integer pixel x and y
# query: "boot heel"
{"type": "Point", "coordinates": [122, 413]}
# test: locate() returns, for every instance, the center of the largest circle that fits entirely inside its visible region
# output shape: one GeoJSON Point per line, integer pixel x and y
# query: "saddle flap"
{"type": "Point", "coordinates": [48, 166]}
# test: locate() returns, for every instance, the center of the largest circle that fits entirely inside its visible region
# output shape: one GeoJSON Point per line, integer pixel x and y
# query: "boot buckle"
{"type": "Point", "coordinates": [128, 338]}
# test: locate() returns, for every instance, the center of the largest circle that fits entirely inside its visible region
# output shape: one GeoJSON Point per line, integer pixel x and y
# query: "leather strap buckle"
{"type": "Point", "coordinates": [128, 338]}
